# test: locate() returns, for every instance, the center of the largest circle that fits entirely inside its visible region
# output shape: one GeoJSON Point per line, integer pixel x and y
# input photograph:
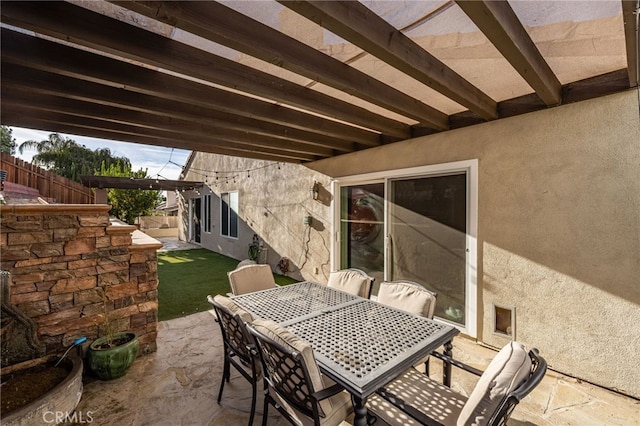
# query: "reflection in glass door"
{"type": "Point", "coordinates": [362, 229]}
{"type": "Point", "coordinates": [427, 230]}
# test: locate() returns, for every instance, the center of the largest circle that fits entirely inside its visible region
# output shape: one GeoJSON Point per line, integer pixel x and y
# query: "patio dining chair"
{"type": "Point", "coordinates": [415, 398]}
{"type": "Point", "coordinates": [250, 278]}
{"type": "Point", "coordinates": [353, 281]}
{"type": "Point", "coordinates": [238, 344]}
{"type": "Point", "coordinates": [408, 296]}
{"type": "Point", "coordinates": [292, 380]}
{"type": "Point", "coordinates": [411, 297]}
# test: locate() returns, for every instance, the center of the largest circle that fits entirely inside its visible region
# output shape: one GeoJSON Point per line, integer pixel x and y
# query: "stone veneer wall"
{"type": "Point", "coordinates": [67, 262]}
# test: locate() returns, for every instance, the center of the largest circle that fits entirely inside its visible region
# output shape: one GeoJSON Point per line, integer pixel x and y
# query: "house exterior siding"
{"type": "Point", "coordinates": [558, 225]}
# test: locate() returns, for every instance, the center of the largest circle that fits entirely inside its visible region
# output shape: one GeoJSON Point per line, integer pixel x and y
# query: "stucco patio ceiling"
{"type": "Point", "coordinates": [298, 81]}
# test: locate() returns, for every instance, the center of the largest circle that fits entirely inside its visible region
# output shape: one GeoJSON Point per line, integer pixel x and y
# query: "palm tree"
{"type": "Point", "coordinates": [65, 157]}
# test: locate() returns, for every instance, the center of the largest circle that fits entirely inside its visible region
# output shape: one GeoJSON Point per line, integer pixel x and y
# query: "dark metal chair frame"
{"type": "Point", "coordinates": [238, 351]}
{"type": "Point", "coordinates": [281, 367]}
{"type": "Point", "coordinates": [505, 408]}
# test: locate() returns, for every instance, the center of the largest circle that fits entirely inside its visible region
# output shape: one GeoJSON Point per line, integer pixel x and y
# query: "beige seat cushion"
{"type": "Point", "coordinates": [349, 281]}
{"type": "Point", "coordinates": [508, 370]}
{"type": "Point", "coordinates": [416, 389]}
{"type": "Point", "coordinates": [340, 403]}
{"type": "Point", "coordinates": [408, 297]}
{"type": "Point", "coordinates": [233, 307]}
{"type": "Point", "coordinates": [286, 338]}
{"type": "Point", "coordinates": [250, 278]}
{"type": "Point", "coordinates": [246, 317]}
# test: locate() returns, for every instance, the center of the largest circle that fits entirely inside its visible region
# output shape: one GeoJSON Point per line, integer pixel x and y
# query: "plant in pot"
{"type": "Point", "coordinates": [111, 355]}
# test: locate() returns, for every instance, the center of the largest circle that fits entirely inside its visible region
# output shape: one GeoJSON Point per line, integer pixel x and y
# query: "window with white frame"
{"type": "Point", "coordinates": [207, 213]}
{"type": "Point", "coordinates": [229, 214]}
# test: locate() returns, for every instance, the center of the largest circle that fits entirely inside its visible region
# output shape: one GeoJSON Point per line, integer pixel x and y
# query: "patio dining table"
{"type": "Point", "coordinates": [358, 343]}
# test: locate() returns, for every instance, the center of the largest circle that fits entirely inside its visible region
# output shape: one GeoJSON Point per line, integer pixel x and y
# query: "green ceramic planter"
{"type": "Point", "coordinates": [111, 363]}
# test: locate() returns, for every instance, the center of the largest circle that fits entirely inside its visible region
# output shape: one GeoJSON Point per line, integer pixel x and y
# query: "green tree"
{"type": "Point", "coordinates": [65, 157]}
{"type": "Point", "coordinates": [7, 141]}
{"type": "Point", "coordinates": [128, 204]}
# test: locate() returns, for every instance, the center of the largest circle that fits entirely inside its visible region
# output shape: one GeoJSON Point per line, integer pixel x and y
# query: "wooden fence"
{"type": "Point", "coordinates": [51, 186]}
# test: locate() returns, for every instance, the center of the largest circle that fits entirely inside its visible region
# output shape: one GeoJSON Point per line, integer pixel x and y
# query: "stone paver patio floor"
{"type": "Point", "coordinates": [178, 385]}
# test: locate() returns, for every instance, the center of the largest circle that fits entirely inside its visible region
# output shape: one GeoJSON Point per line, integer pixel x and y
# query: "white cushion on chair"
{"type": "Point", "coordinates": [508, 370]}
{"type": "Point", "coordinates": [408, 297]}
{"type": "Point", "coordinates": [349, 281]}
{"type": "Point", "coordinates": [340, 403]}
{"type": "Point", "coordinates": [281, 335]}
{"type": "Point", "coordinates": [250, 278]}
{"type": "Point", "coordinates": [245, 316]}
{"type": "Point", "coordinates": [233, 307]}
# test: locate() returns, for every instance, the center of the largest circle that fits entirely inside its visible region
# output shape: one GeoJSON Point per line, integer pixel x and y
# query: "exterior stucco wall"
{"type": "Point", "coordinates": [558, 225]}
{"type": "Point", "coordinates": [558, 228]}
{"type": "Point", "coordinates": [274, 198]}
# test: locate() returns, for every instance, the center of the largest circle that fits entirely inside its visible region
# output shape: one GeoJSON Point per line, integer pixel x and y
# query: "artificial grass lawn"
{"type": "Point", "coordinates": [188, 276]}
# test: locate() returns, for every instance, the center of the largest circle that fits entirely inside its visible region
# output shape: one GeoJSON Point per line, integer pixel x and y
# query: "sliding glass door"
{"type": "Point", "coordinates": [418, 225]}
{"type": "Point", "coordinates": [427, 226]}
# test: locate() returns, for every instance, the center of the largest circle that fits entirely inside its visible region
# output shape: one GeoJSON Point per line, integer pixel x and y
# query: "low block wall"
{"type": "Point", "coordinates": [67, 263]}
{"type": "Point", "coordinates": [162, 232]}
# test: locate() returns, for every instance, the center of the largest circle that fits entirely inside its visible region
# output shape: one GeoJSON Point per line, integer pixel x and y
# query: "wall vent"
{"type": "Point", "coordinates": [504, 320]}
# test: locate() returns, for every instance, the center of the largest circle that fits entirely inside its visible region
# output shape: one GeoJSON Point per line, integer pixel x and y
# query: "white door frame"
{"type": "Point", "coordinates": [470, 167]}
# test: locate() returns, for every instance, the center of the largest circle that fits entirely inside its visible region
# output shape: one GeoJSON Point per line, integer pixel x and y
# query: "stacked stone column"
{"type": "Point", "coordinates": [68, 265]}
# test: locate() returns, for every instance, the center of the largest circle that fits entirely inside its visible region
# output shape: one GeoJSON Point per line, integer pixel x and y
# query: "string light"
{"type": "Point", "coordinates": [228, 176]}
{"type": "Point", "coordinates": [221, 176]}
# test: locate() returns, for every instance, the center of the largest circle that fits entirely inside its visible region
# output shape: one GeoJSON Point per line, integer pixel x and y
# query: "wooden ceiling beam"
{"type": "Point", "coordinates": [630, 12]}
{"type": "Point", "coordinates": [27, 82]}
{"type": "Point", "coordinates": [52, 57]}
{"type": "Point", "coordinates": [37, 119]}
{"type": "Point", "coordinates": [354, 22]}
{"type": "Point", "coordinates": [114, 115]}
{"type": "Point", "coordinates": [78, 131]}
{"type": "Point", "coordinates": [81, 26]}
{"type": "Point", "coordinates": [221, 24]}
{"type": "Point", "coordinates": [190, 141]}
{"type": "Point", "coordinates": [499, 23]}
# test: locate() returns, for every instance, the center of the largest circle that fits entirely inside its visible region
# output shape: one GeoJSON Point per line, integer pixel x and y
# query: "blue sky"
{"type": "Point", "coordinates": [157, 160]}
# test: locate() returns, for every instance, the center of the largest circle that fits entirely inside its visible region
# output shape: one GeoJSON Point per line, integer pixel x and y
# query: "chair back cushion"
{"type": "Point", "coordinates": [509, 369]}
{"type": "Point", "coordinates": [409, 297]}
{"type": "Point", "coordinates": [284, 337]}
{"type": "Point", "coordinates": [233, 308]}
{"type": "Point", "coordinates": [250, 278]}
{"type": "Point", "coordinates": [236, 333]}
{"type": "Point", "coordinates": [350, 281]}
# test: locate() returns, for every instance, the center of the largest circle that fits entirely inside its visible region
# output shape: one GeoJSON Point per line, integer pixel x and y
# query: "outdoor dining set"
{"type": "Point", "coordinates": [325, 352]}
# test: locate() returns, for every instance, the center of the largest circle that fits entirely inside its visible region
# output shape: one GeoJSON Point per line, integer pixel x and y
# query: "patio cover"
{"type": "Point", "coordinates": [131, 183]}
{"type": "Point", "coordinates": [299, 81]}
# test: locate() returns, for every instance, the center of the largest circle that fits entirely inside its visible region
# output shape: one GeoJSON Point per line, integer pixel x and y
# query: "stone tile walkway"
{"type": "Point", "coordinates": [178, 385]}
{"type": "Point", "coordinates": [172, 243]}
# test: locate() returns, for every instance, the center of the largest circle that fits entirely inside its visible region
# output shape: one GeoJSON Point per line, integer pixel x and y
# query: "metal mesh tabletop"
{"type": "Point", "coordinates": [359, 343]}
{"type": "Point", "coordinates": [366, 344]}
{"type": "Point", "coordinates": [286, 303]}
